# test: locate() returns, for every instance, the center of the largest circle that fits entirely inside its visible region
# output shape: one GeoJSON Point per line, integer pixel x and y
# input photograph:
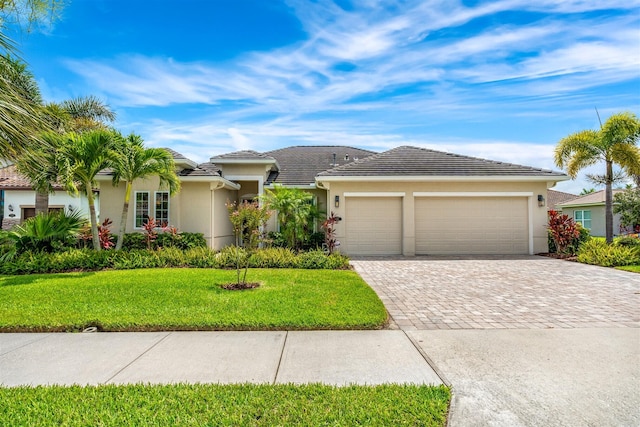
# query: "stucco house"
{"type": "Point", "coordinates": [17, 199]}
{"type": "Point", "coordinates": [404, 201]}
{"type": "Point", "coordinates": [589, 211]}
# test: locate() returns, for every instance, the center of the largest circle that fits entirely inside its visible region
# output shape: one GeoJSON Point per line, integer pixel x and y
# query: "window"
{"type": "Point", "coordinates": [141, 213]}
{"type": "Point", "coordinates": [583, 218]}
{"type": "Point", "coordinates": [162, 208]}
{"type": "Point", "coordinates": [143, 209]}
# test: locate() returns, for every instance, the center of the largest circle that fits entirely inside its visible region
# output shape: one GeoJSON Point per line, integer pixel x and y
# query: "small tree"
{"type": "Point", "coordinates": [627, 204]}
{"type": "Point", "coordinates": [564, 230]}
{"type": "Point", "coordinates": [248, 220]}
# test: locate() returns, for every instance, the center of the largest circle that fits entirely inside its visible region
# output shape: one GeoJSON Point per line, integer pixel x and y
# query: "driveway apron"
{"type": "Point", "coordinates": [524, 341]}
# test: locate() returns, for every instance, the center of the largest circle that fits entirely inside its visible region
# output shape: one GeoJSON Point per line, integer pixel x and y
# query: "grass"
{"type": "Point", "coordinates": [225, 405]}
{"type": "Point", "coordinates": [188, 299]}
{"type": "Point", "coordinates": [632, 268]}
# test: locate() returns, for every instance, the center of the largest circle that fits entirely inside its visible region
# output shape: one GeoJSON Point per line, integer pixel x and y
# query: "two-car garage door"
{"type": "Point", "coordinates": [471, 225]}
{"type": "Point", "coordinates": [443, 225]}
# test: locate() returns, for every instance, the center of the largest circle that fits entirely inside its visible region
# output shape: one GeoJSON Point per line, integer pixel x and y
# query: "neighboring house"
{"type": "Point", "coordinates": [405, 201]}
{"type": "Point", "coordinates": [589, 211]}
{"type": "Point", "coordinates": [17, 199]}
{"type": "Point", "coordinates": [555, 198]}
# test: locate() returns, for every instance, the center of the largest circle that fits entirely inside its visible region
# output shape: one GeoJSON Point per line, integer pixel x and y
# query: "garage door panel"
{"type": "Point", "coordinates": [471, 225]}
{"type": "Point", "coordinates": [373, 226]}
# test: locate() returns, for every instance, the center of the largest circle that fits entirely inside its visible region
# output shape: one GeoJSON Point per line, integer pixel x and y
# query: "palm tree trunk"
{"type": "Point", "coordinates": [123, 219]}
{"type": "Point", "coordinates": [608, 203]}
{"type": "Point", "coordinates": [94, 220]}
{"type": "Point", "coordinates": [42, 202]}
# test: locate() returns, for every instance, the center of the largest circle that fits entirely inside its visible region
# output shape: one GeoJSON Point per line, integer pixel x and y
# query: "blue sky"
{"type": "Point", "coordinates": [500, 79]}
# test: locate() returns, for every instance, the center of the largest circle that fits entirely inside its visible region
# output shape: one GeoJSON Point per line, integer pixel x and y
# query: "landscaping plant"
{"type": "Point", "coordinates": [248, 220]}
{"type": "Point", "coordinates": [563, 229]}
{"type": "Point", "coordinates": [329, 226]}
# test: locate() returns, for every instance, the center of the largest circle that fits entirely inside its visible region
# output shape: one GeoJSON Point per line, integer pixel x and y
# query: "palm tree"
{"type": "Point", "coordinates": [20, 108]}
{"type": "Point", "coordinates": [614, 143]}
{"type": "Point", "coordinates": [79, 158]}
{"type": "Point", "coordinates": [295, 212]}
{"type": "Point", "coordinates": [78, 115]}
{"type": "Point", "coordinates": [134, 161]}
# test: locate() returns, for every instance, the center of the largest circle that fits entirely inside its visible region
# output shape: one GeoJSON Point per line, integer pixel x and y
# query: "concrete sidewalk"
{"type": "Point", "coordinates": [330, 357]}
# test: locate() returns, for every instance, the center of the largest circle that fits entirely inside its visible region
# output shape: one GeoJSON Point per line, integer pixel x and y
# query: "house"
{"type": "Point", "coordinates": [404, 201]}
{"type": "Point", "coordinates": [554, 198]}
{"type": "Point", "coordinates": [17, 199]}
{"type": "Point", "coordinates": [589, 211]}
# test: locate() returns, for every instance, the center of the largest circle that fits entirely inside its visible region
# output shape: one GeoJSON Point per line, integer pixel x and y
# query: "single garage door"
{"type": "Point", "coordinates": [471, 225]}
{"type": "Point", "coordinates": [373, 226]}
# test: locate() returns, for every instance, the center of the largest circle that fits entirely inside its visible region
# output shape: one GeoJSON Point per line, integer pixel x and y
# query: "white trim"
{"type": "Point", "coordinates": [472, 194]}
{"type": "Point", "coordinates": [155, 203]}
{"type": "Point", "coordinates": [530, 214]}
{"type": "Point", "coordinates": [445, 178]}
{"type": "Point", "coordinates": [223, 161]}
{"type": "Point", "coordinates": [375, 194]}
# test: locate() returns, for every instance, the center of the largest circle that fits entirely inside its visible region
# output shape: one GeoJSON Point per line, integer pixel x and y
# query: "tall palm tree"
{"type": "Point", "coordinates": [615, 143]}
{"type": "Point", "coordinates": [20, 108]}
{"type": "Point", "coordinates": [135, 161]}
{"type": "Point", "coordinates": [79, 158]}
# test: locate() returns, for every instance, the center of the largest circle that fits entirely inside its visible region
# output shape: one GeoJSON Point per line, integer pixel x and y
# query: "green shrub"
{"type": "Point", "coordinates": [182, 241]}
{"type": "Point", "coordinates": [273, 258]}
{"type": "Point", "coordinates": [134, 241]}
{"type": "Point", "coordinates": [90, 260]}
{"type": "Point", "coordinates": [627, 241]}
{"type": "Point", "coordinates": [598, 252]}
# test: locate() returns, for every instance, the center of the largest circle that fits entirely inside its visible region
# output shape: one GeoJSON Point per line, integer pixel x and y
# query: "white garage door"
{"type": "Point", "coordinates": [373, 226]}
{"type": "Point", "coordinates": [471, 225]}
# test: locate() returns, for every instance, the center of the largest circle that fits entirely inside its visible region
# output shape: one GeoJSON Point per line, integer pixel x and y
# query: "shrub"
{"type": "Point", "coordinates": [134, 241]}
{"type": "Point", "coordinates": [165, 240]}
{"type": "Point", "coordinates": [90, 260]}
{"type": "Point", "coordinates": [563, 230]}
{"type": "Point", "coordinates": [627, 241]}
{"type": "Point", "coordinates": [598, 252]}
{"type": "Point", "coordinates": [273, 258]}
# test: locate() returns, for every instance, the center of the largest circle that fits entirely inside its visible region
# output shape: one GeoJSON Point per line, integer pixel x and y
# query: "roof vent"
{"type": "Point", "coordinates": [346, 157]}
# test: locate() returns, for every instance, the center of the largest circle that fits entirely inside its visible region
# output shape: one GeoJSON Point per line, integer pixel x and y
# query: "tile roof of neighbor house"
{"type": "Point", "coordinates": [555, 197]}
{"type": "Point", "coordinates": [241, 155]}
{"type": "Point", "coordinates": [299, 165]}
{"type": "Point", "coordinates": [596, 198]}
{"type": "Point", "coordinates": [175, 154]}
{"type": "Point", "coordinates": [203, 169]}
{"type": "Point", "coordinates": [414, 161]}
{"type": "Point", "coordinates": [11, 179]}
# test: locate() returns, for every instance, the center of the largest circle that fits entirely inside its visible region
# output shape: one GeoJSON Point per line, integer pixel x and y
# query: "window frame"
{"type": "Point", "coordinates": [156, 209]}
{"type": "Point", "coordinates": [135, 209]}
{"type": "Point", "coordinates": [582, 220]}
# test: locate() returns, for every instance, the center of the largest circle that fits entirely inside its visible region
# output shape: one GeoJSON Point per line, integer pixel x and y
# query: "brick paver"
{"type": "Point", "coordinates": [497, 293]}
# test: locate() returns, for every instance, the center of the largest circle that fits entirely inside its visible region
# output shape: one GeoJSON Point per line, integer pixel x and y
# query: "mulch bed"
{"type": "Point", "coordinates": [240, 286]}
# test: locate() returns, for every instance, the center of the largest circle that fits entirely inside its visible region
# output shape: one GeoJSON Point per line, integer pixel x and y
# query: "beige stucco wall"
{"type": "Point", "coordinates": [598, 228]}
{"type": "Point", "coordinates": [198, 208]}
{"type": "Point", "coordinates": [539, 214]}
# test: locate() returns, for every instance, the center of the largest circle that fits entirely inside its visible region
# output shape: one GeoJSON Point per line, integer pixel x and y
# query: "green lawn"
{"type": "Point", "coordinates": [632, 268]}
{"type": "Point", "coordinates": [188, 299]}
{"type": "Point", "coordinates": [225, 405]}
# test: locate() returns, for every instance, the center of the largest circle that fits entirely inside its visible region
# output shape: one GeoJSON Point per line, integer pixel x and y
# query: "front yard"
{"type": "Point", "coordinates": [188, 299]}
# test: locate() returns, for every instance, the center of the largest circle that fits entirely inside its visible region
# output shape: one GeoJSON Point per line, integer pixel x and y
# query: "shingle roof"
{"type": "Point", "coordinates": [203, 169]}
{"type": "Point", "coordinates": [11, 179]}
{"type": "Point", "coordinates": [554, 198]}
{"type": "Point", "coordinates": [589, 199]}
{"type": "Point", "coordinates": [413, 161]}
{"type": "Point", "coordinates": [299, 165]}
{"type": "Point", "coordinates": [241, 155]}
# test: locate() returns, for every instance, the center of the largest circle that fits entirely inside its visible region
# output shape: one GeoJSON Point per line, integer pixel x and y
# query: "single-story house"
{"type": "Point", "coordinates": [17, 199]}
{"type": "Point", "coordinates": [555, 198]}
{"type": "Point", "coordinates": [588, 210]}
{"type": "Point", "coordinates": [404, 201]}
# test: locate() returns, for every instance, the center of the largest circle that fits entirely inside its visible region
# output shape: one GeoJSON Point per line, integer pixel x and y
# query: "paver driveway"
{"type": "Point", "coordinates": [527, 292]}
